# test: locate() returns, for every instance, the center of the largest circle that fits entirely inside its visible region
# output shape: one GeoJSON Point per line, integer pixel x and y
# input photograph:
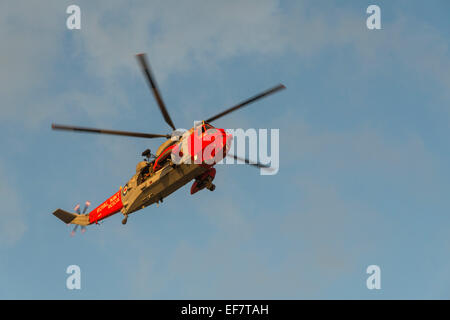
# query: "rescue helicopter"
{"type": "Point", "coordinates": [181, 158]}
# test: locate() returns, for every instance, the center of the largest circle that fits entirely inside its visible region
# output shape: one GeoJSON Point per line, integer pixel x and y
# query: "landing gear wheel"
{"type": "Point", "coordinates": [124, 221]}
{"type": "Point", "coordinates": [211, 187]}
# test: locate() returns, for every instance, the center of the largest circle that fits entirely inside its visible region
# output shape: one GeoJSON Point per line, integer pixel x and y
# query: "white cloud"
{"type": "Point", "coordinates": [12, 226]}
{"type": "Point", "coordinates": [185, 35]}
{"type": "Point", "coordinates": [181, 36]}
{"type": "Point", "coordinates": [30, 43]}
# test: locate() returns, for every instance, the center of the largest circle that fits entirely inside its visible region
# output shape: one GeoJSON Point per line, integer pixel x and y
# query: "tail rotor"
{"type": "Point", "coordinates": [78, 211]}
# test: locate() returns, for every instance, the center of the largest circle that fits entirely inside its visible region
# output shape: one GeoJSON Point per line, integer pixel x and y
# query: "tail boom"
{"type": "Point", "coordinates": [111, 206]}
{"type": "Point", "coordinates": [72, 218]}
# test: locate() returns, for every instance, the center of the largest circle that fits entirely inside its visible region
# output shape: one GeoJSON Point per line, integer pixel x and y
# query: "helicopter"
{"type": "Point", "coordinates": [181, 158]}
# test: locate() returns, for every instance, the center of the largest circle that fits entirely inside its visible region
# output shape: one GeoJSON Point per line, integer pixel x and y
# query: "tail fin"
{"type": "Point", "coordinates": [72, 218]}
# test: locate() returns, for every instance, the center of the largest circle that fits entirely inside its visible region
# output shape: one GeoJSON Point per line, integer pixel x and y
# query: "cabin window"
{"type": "Point", "coordinates": [206, 127]}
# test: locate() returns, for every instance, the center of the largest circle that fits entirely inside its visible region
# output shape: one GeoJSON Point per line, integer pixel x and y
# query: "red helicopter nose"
{"type": "Point", "coordinates": [227, 139]}
{"type": "Point", "coordinates": [221, 141]}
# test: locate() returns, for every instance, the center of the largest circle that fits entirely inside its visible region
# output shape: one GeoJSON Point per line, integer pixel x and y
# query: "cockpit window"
{"type": "Point", "coordinates": [206, 127]}
{"type": "Point", "coordinates": [199, 131]}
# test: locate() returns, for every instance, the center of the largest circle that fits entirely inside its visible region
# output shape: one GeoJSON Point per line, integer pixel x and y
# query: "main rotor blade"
{"type": "Point", "coordinates": [113, 132]}
{"type": "Point", "coordinates": [255, 164]}
{"type": "Point", "coordinates": [152, 83]}
{"type": "Point", "coordinates": [246, 102]}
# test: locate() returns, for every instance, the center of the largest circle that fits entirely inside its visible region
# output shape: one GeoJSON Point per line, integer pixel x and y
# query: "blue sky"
{"type": "Point", "coordinates": [364, 151]}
